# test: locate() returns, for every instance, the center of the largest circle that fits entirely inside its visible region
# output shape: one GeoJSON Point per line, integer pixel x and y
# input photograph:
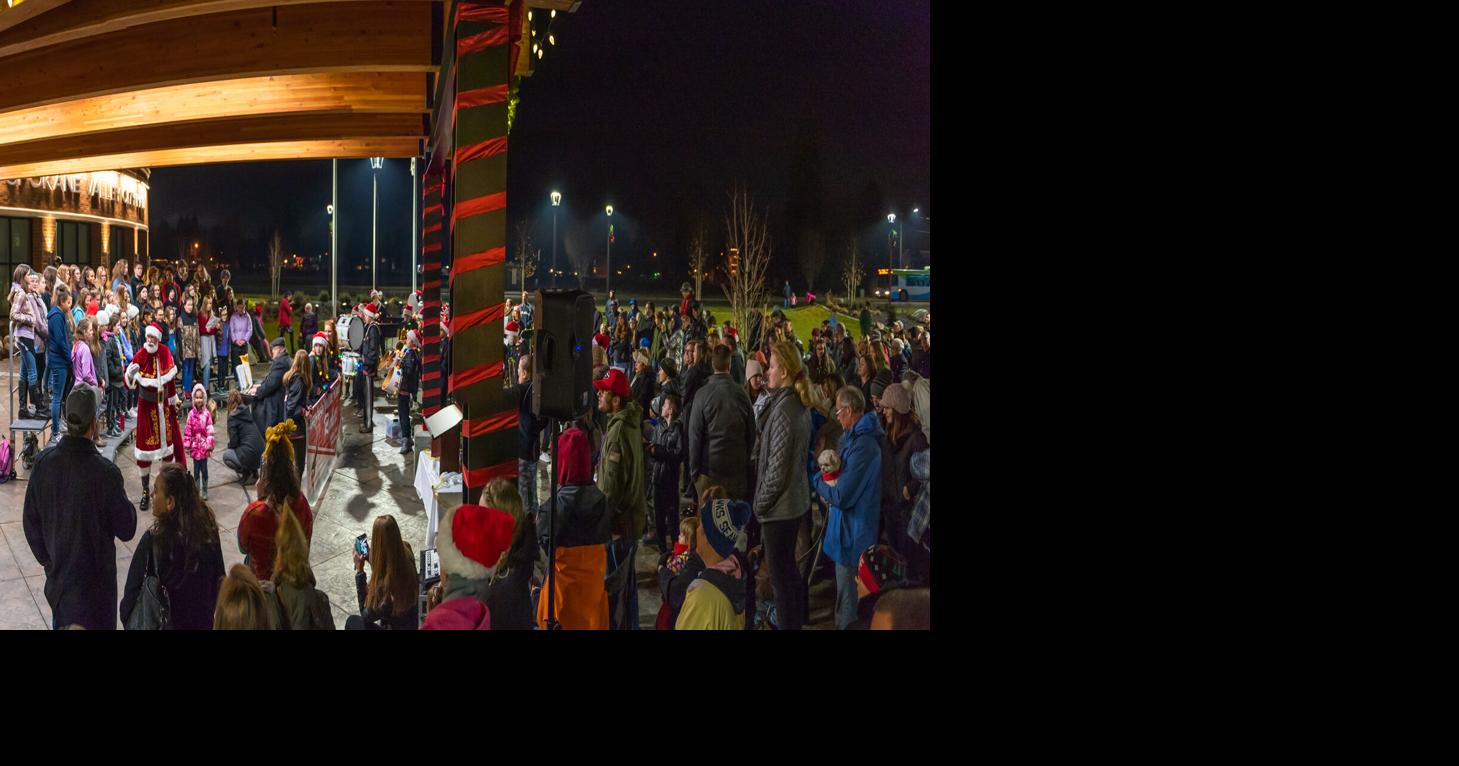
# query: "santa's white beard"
{"type": "Point", "coordinates": [151, 346]}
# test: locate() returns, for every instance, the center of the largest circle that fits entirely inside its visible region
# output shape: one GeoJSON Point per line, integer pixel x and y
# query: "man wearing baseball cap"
{"type": "Point", "coordinates": [715, 599]}
{"type": "Point", "coordinates": [471, 540]}
{"type": "Point", "coordinates": [621, 478]}
{"type": "Point", "coordinates": [75, 504]}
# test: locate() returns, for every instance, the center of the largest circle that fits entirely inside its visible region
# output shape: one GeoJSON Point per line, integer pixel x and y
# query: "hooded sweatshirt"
{"type": "Point", "coordinates": [716, 600]}
{"type": "Point", "coordinates": [461, 608]}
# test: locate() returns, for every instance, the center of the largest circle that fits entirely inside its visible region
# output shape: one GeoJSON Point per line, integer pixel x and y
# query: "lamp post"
{"type": "Point", "coordinates": [333, 240]}
{"type": "Point", "coordinates": [608, 275]}
{"type": "Point", "coordinates": [414, 223]}
{"type": "Point", "coordinates": [891, 231]}
{"type": "Point", "coordinates": [375, 164]}
{"type": "Point", "coordinates": [556, 201]}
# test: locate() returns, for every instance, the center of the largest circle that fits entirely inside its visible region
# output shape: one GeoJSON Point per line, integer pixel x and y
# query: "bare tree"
{"type": "Point", "coordinates": [698, 253]}
{"type": "Point", "coordinates": [525, 253]}
{"type": "Point", "coordinates": [275, 263]}
{"type": "Point", "coordinates": [812, 257]}
{"type": "Point", "coordinates": [855, 271]}
{"type": "Point", "coordinates": [748, 231]}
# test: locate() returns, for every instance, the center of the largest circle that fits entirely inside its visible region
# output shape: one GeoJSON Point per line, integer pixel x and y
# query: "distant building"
{"type": "Point", "coordinates": [91, 219]}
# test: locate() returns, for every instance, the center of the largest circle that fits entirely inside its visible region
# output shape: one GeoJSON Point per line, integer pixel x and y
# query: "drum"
{"type": "Point", "coordinates": [351, 332]}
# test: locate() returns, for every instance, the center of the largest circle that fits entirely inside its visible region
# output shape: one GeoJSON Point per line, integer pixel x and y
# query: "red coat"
{"type": "Point", "coordinates": [256, 532]}
{"type": "Point", "coordinates": [155, 442]}
{"type": "Point", "coordinates": [464, 613]}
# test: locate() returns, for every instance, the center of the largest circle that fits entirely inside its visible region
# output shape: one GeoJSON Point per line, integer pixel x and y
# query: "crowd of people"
{"type": "Point", "coordinates": [744, 457]}
{"type": "Point", "coordinates": [782, 451]}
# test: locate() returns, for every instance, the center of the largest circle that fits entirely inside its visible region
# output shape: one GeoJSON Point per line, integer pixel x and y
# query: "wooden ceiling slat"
{"type": "Point", "coordinates": [11, 17]}
{"type": "Point", "coordinates": [279, 150]}
{"type": "Point", "coordinates": [78, 21]}
{"type": "Point", "coordinates": [334, 92]}
{"type": "Point", "coordinates": [330, 37]}
{"type": "Point", "coordinates": [246, 130]}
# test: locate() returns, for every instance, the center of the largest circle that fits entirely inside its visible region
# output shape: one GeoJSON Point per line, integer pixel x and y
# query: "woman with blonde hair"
{"type": "Point", "coordinates": [782, 491]}
{"type": "Point", "coordinates": [390, 597]}
{"type": "Point", "coordinates": [242, 604]}
{"type": "Point", "coordinates": [510, 597]}
{"type": "Point", "coordinates": [302, 605]}
{"type": "Point", "coordinates": [298, 388]}
{"type": "Point", "coordinates": [119, 276]}
{"type": "Point", "coordinates": [279, 499]}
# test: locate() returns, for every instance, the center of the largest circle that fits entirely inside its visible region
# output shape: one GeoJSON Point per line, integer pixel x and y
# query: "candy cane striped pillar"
{"type": "Point", "coordinates": [432, 241]}
{"type": "Point", "coordinates": [478, 237]}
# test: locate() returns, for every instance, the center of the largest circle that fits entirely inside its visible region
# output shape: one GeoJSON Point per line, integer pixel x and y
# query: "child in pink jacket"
{"type": "Point", "coordinates": [197, 438]}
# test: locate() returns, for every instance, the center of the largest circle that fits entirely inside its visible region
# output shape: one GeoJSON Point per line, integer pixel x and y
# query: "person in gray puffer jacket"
{"type": "Point", "coordinates": [782, 488]}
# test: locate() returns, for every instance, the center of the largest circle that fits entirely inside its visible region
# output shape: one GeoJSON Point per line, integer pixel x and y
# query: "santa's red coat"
{"type": "Point", "coordinates": [153, 441]}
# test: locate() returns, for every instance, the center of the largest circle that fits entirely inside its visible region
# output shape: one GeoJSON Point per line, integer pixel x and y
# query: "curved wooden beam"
{"type": "Point", "coordinates": [257, 152]}
{"type": "Point", "coordinates": [331, 92]}
{"type": "Point", "coordinates": [330, 37]}
{"type": "Point", "coordinates": [243, 130]}
{"type": "Point", "coordinates": [96, 17]}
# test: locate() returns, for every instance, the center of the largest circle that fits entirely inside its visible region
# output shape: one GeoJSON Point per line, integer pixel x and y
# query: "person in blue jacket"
{"type": "Point", "coordinates": [854, 496]}
{"type": "Point", "coordinates": [58, 353]}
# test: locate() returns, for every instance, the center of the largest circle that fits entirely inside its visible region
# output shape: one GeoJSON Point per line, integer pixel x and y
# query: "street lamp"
{"type": "Point", "coordinates": [556, 201]}
{"type": "Point", "coordinates": [333, 239]}
{"type": "Point", "coordinates": [891, 231]}
{"type": "Point", "coordinates": [375, 164]}
{"type": "Point", "coordinates": [608, 272]}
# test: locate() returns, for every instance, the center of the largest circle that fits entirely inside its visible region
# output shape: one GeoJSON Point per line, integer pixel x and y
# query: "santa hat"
{"type": "Point", "coordinates": [154, 331]}
{"type": "Point", "coordinates": [369, 310]}
{"type": "Point", "coordinates": [320, 339]}
{"type": "Point", "coordinates": [512, 326]}
{"type": "Point", "coordinates": [471, 539]}
{"type": "Point", "coordinates": [413, 337]}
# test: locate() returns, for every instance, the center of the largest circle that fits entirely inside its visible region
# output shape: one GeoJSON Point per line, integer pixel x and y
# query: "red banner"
{"type": "Point", "coordinates": [321, 443]}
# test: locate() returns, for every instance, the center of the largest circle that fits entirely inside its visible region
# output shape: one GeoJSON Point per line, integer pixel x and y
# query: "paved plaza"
{"type": "Point", "coordinates": [371, 479]}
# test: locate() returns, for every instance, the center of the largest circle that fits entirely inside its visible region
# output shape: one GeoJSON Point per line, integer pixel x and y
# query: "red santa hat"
{"type": "Point", "coordinates": [512, 326]}
{"type": "Point", "coordinates": [471, 540]}
{"type": "Point", "coordinates": [320, 339]}
{"type": "Point", "coordinates": [154, 331]}
{"type": "Point", "coordinates": [369, 310]}
{"type": "Point", "coordinates": [413, 337]}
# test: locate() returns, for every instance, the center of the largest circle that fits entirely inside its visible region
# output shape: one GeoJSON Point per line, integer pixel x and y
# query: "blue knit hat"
{"type": "Point", "coordinates": [723, 522]}
{"type": "Point", "coordinates": [644, 343]}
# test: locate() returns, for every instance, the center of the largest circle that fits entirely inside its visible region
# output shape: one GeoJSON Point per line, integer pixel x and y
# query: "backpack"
{"type": "Point", "coordinates": [7, 463]}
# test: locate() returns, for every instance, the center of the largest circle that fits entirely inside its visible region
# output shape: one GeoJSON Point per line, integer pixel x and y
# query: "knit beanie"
{"type": "Point", "coordinates": [896, 397]}
{"type": "Point", "coordinates": [723, 523]}
{"type": "Point", "coordinates": [574, 458]}
{"type": "Point", "coordinates": [879, 566]}
{"type": "Point", "coordinates": [880, 382]}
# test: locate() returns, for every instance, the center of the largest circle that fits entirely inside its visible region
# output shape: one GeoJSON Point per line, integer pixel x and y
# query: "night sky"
{"type": "Point", "coordinates": [656, 107]}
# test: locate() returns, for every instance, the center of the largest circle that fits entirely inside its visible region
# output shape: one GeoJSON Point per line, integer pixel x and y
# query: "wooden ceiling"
{"type": "Point", "coordinates": [101, 84]}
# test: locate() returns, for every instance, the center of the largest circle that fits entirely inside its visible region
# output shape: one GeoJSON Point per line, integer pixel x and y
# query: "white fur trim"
{"type": "Point", "coordinates": [453, 561]}
{"type": "Point", "coordinates": [153, 332]}
{"type": "Point", "coordinates": [154, 454]}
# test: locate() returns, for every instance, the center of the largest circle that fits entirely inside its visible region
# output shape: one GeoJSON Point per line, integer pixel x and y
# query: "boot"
{"type": "Point", "coordinates": [146, 494]}
{"type": "Point", "coordinates": [205, 488]}
{"type": "Point", "coordinates": [408, 446]}
{"type": "Point", "coordinates": [23, 409]}
{"type": "Point", "coordinates": [38, 400]}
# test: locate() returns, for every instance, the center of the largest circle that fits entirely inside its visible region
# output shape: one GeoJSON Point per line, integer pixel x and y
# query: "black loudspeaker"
{"type": "Point", "coordinates": [562, 359]}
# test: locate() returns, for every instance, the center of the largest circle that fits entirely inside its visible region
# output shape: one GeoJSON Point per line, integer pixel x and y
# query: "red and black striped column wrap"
{"type": "Point", "coordinates": [478, 230]}
{"type": "Point", "coordinates": [432, 239]}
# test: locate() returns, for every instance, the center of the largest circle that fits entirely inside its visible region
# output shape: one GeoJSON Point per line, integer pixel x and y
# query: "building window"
{"type": "Point", "coordinates": [119, 246]}
{"type": "Point", "coordinates": [14, 244]}
{"type": "Point", "coordinates": [73, 242]}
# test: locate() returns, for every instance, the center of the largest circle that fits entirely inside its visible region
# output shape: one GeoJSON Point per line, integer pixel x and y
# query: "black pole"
{"type": "Point", "coordinates": [552, 623]}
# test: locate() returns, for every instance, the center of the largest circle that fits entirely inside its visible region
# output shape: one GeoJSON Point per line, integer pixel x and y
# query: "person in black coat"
{"type": "Point", "coordinates": [370, 349]}
{"type": "Point", "coordinates": [76, 548]}
{"type": "Point", "coordinates": [245, 441]}
{"type": "Point", "coordinates": [666, 455]}
{"type": "Point", "coordinates": [641, 390]}
{"type": "Point", "coordinates": [268, 396]}
{"type": "Point", "coordinates": [409, 384]}
{"type": "Point", "coordinates": [183, 543]}
{"type": "Point", "coordinates": [394, 576]}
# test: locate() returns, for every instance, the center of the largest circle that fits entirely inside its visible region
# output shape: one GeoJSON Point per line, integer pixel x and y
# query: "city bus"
{"type": "Point", "coordinates": [907, 284]}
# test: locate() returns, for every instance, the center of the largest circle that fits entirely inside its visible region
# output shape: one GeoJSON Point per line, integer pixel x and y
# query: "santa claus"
{"type": "Point", "coordinates": [152, 372]}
